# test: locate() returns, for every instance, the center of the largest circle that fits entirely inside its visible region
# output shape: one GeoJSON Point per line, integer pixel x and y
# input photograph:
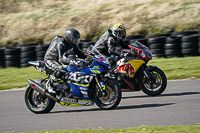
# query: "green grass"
{"type": "Point", "coordinates": [179, 68]}
{"type": "Point", "coordinates": [141, 129]}
{"type": "Point", "coordinates": [17, 77]}
{"type": "Point", "coordinates": [174, 68]}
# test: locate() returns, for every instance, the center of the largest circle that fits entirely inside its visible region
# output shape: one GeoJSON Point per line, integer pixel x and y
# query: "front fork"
{"type": "Point", "coordinates": [100, 88]}
{"type": "Point", "coordinates": [146, 71]}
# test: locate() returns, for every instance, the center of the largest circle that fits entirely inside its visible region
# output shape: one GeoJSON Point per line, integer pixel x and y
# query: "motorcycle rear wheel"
{"type": "Point", "coordinates": [156, 84]}
{"type": "Point", "coordinates": [112, 98]}
{"type": "Point", "coordinates": [36, 102]}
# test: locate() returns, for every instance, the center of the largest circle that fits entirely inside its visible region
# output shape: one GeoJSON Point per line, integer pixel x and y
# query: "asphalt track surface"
{"type": "Point", "coordinates": [178, 105]}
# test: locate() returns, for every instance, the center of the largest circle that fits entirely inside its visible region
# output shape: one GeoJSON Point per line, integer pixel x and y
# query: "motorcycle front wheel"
{"type": "Point", "coordinates": [155, 84]}
{"type": "Point", "coordinates": [36, 102]}
{"type": "Point", "coordinates": [112, 98]}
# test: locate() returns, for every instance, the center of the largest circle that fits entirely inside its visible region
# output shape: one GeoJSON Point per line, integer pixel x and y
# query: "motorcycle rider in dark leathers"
{"type": "Point", "coordinates": [56, 55]}
{"type": "Point", "coordinates": [110, 43]}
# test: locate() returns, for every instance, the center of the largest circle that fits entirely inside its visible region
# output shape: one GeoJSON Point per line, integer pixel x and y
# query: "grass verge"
{"type": "Point", "coordinates": [174, 68]}
{"type": "Point", "coordinates": [179, 68]}
{"type": "Point", "coordinates": [141, 129]}
{"type": "Point", "coordinates": [17, 77]}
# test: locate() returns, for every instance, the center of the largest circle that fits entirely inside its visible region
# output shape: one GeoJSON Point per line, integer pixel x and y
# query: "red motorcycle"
{"type": "Point", "coordinates": [133, 74]}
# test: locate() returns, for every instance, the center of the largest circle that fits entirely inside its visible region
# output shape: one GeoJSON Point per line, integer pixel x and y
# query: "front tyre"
{"type": "Point", "coordinates": [112, 98]}
{"type": "Point", "coordinates": [155, 84]}
{"type": "Point", "coordinates": [36, 102]}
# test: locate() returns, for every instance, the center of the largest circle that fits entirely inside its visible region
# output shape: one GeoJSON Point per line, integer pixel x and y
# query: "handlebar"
{"type": "Point", "coordinates": [132, 53]}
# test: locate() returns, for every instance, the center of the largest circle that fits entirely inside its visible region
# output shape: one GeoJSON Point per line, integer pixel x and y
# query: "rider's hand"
{"type": "Point", "coordinates": [88, 59]}
{"type": "Point", "coordinates": [62, 69]}
{"type": "Point", "coordinates": [80, 64]}
{"type": "Point", "coordinates": [123, 54]}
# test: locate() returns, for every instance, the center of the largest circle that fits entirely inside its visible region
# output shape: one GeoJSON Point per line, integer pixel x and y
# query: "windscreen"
{"type": "Point", "coordinates": [142, 47]}
{"type": "Point", "coordinates": [94, 52]}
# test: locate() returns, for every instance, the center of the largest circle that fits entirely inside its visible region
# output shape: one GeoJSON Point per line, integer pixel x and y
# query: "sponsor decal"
{"type": "Point", "coordinates": [77, 77]}
{"type": "Point", "coordinates": [95, 71]}
{"type": "Point", "coordinates": [95, 67]}
{"type": "Point", "coordinates": [69, 100]}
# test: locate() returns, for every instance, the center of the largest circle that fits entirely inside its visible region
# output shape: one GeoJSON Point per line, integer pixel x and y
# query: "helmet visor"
{"type": "Point", "coordinates": [122, 33]}
{"type": "Point", "coordinates": [75, 40]}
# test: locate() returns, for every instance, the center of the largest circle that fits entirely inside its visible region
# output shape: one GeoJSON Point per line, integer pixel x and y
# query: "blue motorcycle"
{"type": "Point", "coordinates": [79, 87]}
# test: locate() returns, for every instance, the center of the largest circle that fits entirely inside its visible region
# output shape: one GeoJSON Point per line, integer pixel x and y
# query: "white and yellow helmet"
{"type": "Point", "coordinates": [118, 30]}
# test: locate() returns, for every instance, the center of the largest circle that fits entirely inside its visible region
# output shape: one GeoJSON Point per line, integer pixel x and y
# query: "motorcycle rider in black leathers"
{"type": "Point", "coordinates": [56, 55]}
{"type": "Point", "coordinates": [110, 43]}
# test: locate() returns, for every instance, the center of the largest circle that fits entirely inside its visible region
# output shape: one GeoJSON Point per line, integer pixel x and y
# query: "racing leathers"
{"type": "Point", "coordinates": [109, 46]}
{"type": "Point", "coordinates": [56, 55]}
{"type": "Point", "coordinates": [58, 51]}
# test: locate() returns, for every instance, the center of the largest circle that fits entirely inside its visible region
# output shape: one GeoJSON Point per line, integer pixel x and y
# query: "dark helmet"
{"type": "Point", "coordinates": [72, 36]}
{"type": "Point", "coordinates": [118, 30]}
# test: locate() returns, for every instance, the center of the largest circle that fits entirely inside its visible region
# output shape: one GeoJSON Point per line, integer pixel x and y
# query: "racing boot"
{"type": "Point", "coordinates": [49, 84]}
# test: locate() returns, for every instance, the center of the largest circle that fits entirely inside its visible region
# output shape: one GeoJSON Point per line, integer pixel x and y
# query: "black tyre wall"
{"type": "Point", "coordinates": [26, 45]}
{"type": "Point", "coordinates": [2, 59]}
{"type": "Point", "coordinates": [27, 54]}
{"type": "Point", "coordinates": [199, 41]}
{"type": "Point", "coordinates": [173, 47]}
{"type": "Point", "coordinates": [156, 46]}
{"type": "Point", "coordinates": [40, 52]}
{"type": "Point", "coordinates": [184, 33]}
{"type": "Point", "coordinates": [133, 37]}
{"type": "Point", "coordinates": [190, 46]}
{"type": "Point", "coordinates": [12, 57]}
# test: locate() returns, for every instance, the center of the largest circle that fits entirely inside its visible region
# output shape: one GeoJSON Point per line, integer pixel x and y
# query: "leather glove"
{"type": "Point", "coordinates": [80, 64]}
{"type": "Point", "coordinates": [88, 60]}
{"type": "Point", "coordinates": [122, 54]}
{"type": "Point", "coordinates": [71, 62]}
{"type": "Point", "coordinates": [62, 69]}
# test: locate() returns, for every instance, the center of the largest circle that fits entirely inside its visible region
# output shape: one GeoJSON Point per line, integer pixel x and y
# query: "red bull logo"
{"type": "Point", "coordinates": [128, 66]}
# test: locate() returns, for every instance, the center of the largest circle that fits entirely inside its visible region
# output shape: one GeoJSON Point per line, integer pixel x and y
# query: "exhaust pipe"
{"type": "Point", "coordinates": [41, 90]}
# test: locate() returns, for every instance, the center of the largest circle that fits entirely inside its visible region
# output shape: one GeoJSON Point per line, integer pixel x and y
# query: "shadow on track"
{"type": "Point", "coordinates": [162, 95]}
{"type": "Point", "coordinates": [118, 108]}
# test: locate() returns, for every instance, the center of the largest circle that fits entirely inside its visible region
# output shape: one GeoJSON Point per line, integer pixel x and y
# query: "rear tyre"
{"type": "Point", "coordinates": [156, 84]}
{"type": "Point", "coordinates": [36, 102]}
{"type": "Point", "coordinates": [112, 98]}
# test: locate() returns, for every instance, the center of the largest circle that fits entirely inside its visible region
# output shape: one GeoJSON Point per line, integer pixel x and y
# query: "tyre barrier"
{"type": "Point", "coordinates": [40, 52]}
{"type": "Point", "coordinates": [12, 57]}
{"type": "Point", "coordinates": [199, 41]}
{"type": "Point", "coordinates": [156, 46]}
{"type": "Point", "coordinates": [173, 47]}
{"type": "Point", "coordinates": [26, 44]}
{"type": "Point", "coordinates": [177, 44]}
{"type": "Point", "coordinates": [2, 58]}
{"type": "Point", "coordinates": [133, 37]}
{"type": "Point", "coordinates": [190, 45]}
{"type": "Point", "coordinates": [184, 33]}
{"type": "Point", "coordinates": [27, 54]}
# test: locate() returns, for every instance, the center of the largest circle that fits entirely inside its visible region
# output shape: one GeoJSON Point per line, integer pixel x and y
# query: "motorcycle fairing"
{"type": "Point", "coordinates": [75, 102]}
{"type": "Point", "coordinates": [95, 68]}
{"type": "Point", "coordinates": [130, 67]}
